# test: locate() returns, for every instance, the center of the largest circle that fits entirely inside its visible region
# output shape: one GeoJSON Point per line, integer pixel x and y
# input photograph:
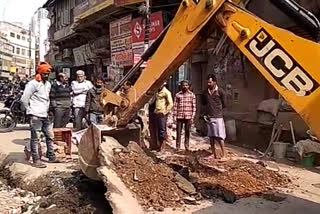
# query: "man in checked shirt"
{"type": "Point", "coordinates": [184, 112]}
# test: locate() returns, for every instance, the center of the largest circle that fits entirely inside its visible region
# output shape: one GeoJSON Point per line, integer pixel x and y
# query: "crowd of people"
{"type": "Point", "coordinates": [52, 105]}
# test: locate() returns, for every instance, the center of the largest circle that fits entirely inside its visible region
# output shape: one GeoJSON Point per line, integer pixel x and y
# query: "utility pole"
{"type": "Point", "coordinates": [148, 23]}
{"type": "Point", "coordinates": [30, 51]}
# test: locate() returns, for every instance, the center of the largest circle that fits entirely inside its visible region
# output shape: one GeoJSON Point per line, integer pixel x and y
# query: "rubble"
{"type": "Point", "coordinates": [157, 186]}
{"type": "Point", "coordinates": [229, 180]}
{"type": "Point", "coordinates": [12, 199]}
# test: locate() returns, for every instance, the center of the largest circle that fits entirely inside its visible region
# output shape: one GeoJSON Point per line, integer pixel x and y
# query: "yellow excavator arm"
{"type": "Point", "coordinates": [290, 63]}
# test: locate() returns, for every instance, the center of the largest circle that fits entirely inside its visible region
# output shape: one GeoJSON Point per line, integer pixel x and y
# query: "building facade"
{"type": "Point", "coordinates": [86, 35]}
{"type": "Point", "coordinates": [39, 28]}
{"type": "Point", "coordinates": [22, 45]}
{"type": "Point", "coordinates": [6, 52]}
{"type": "Point", "coordinates": [106, 37]}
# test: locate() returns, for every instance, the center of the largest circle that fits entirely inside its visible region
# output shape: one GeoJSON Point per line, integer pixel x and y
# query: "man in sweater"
{"type": "Point", "coordinates": [80, 87]}
{"type": "Point", "coordinates": [93, 108]}
{"type": "Point", "coordinates": [60, 97]}
{"type": "Point", "coordinates": [214, 99]}
{"type": "Point", "coordinates": [184, 112]}
{"type": "Point", "coordinates": [36, 100]}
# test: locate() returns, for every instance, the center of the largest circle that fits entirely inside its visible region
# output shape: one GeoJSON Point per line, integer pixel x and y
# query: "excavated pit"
{"type": "Point", "coordinates": [59, 192]}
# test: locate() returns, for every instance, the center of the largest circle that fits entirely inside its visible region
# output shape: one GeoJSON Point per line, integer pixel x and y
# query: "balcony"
{"type": "Point", "coordinates": [63, 34]}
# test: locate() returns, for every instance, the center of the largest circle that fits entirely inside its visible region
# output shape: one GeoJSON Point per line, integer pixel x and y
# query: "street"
{"type": "Point", "coordinates": [159, 107]}
{"type": "Point", "coordinates": [302, 195]}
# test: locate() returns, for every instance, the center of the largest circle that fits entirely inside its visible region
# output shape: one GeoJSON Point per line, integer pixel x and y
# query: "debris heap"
{"type": "Point", "coordinates": [154, 184]}
{"type": "Point", "coordinates": [230, 180]}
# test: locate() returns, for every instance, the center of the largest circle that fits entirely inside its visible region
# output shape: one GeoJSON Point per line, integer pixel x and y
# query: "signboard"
{"type": "Point", "coordinates": [120, 42]}
{"type": "Point", "coordinates": [86, 5]}
{"type": "Point", "coordinates": [120, 3]}
{"type": "Point", "coordinates": [138, 34]}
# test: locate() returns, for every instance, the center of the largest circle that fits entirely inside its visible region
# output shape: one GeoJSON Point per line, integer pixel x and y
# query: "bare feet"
{"type": "Point", "coordinates": [163, 146]}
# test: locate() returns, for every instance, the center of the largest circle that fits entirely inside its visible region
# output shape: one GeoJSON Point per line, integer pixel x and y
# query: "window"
{"type": "Point", "coordinates": [23, 38]}
{"type": "Point", "coordinates": [12, 49]}
{"type": "Point", "coordinates": [23, 52]}
{"type": "Point", "coordinates": [18, 36]}
{"type": "Point", "coordinates": [18, 51]}
{"type": "Point", "coordinates": [12, 35]}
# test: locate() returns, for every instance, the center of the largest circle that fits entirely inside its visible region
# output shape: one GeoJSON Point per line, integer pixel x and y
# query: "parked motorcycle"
{"type": "Point", "coordinates": [13, 113]}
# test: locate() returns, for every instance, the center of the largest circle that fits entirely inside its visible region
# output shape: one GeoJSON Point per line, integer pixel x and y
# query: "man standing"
{"type": "Point", "coordinates": [164, 105]}
{"type": "Point", "coordinates": [60, 97]}
{"type": "Point", "coordinates": [184, 112]}
{"type": "Point", "coordinates": [80, 87]}
{"type": "Point", "coordinates": [93, 108]}
{"type": "Point", "coordinates": [36, 100]}
{"type": "Point", "coordinates": [214, 100]}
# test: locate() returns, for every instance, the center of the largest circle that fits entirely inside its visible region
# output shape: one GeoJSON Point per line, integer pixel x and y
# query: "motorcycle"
{"type": "Point", "coordinates": [13, 113]}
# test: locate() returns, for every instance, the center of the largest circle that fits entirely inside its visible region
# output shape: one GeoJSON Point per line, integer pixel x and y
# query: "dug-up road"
{"type": "Point", "coordinates": [303, 197]}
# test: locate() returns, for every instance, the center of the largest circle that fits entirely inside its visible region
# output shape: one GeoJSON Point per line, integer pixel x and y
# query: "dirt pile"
{"type": "Point", "coordinates": [153, 183]}
{"type": "Point", "coordinates": [230, 180]}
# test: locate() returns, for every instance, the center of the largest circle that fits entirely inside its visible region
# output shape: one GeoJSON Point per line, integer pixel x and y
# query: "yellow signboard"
{"type": "Point", "coordinates": [13, 70]}
{"type": "Point", "coordinates": [120, 3]}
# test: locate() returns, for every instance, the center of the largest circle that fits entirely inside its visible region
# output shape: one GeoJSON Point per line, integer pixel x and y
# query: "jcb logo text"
{"type": "Point", "coordinates": [285, 70]}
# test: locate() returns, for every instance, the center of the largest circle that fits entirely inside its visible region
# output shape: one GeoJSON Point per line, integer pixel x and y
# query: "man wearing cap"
{"type": "Point", "coordinates": [80, 87]}
{"type": "Point", "coordinates": [36, 100]}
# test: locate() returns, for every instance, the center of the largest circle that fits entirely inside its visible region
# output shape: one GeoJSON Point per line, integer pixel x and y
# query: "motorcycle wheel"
{"type": "Point", "coordinates": [7, 123]}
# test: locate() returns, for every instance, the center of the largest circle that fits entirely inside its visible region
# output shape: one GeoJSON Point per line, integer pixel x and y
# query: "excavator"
{"type": "Point", "coordinates": [287, 61]}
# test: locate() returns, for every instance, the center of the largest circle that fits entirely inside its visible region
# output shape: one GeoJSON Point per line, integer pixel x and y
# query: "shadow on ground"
{"type": "Point", "coordinates": [291, 205]}
{"type": "Point", "coordinates": [21, 141]}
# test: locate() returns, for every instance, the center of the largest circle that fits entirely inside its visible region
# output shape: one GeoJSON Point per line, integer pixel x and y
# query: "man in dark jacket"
{"type": "Point", "coordinates": [60, 97]}
{"type": "Point", "coordinates": [93, 108]}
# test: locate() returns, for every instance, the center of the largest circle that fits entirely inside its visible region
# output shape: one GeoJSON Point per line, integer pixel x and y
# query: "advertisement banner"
{"type": "Point", "coordinates": [120, 42]}
{"type": "Point", "coordinates": [120, 3]}
{"type": "Point", "coordinates": [138, 34]}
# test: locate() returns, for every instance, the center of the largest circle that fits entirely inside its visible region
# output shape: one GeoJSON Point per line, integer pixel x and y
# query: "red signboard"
{"type": "Point", "coordinates": [138, 34]}
{"type": "Point", "coordinates": [120, 3]}
{"type": "Point", "coordinates": [138, 27]}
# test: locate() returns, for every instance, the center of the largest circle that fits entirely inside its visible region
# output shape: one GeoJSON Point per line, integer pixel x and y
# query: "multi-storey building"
{"type": "Point", "coordinates": [79, 33]}
{"type": "Point", "coordinates": [5, 57]}
{"type": "Point", "coordinates": [39, 28]}
{"type": "Point", "coordinates": [22, 45]}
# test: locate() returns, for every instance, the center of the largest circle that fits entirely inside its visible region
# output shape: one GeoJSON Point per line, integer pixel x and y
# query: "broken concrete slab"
{"type": "Point", "coordinates": [184, 184]}
{"type": "Point", "coordinates": [117, 193]}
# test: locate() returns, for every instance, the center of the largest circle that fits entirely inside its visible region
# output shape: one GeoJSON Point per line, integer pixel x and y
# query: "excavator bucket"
{"type": "Point", "coordinates": [92, 138]}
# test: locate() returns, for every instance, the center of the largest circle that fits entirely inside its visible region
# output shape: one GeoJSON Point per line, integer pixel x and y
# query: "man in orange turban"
{"type": "Point", "coordinates": [36, 100]}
